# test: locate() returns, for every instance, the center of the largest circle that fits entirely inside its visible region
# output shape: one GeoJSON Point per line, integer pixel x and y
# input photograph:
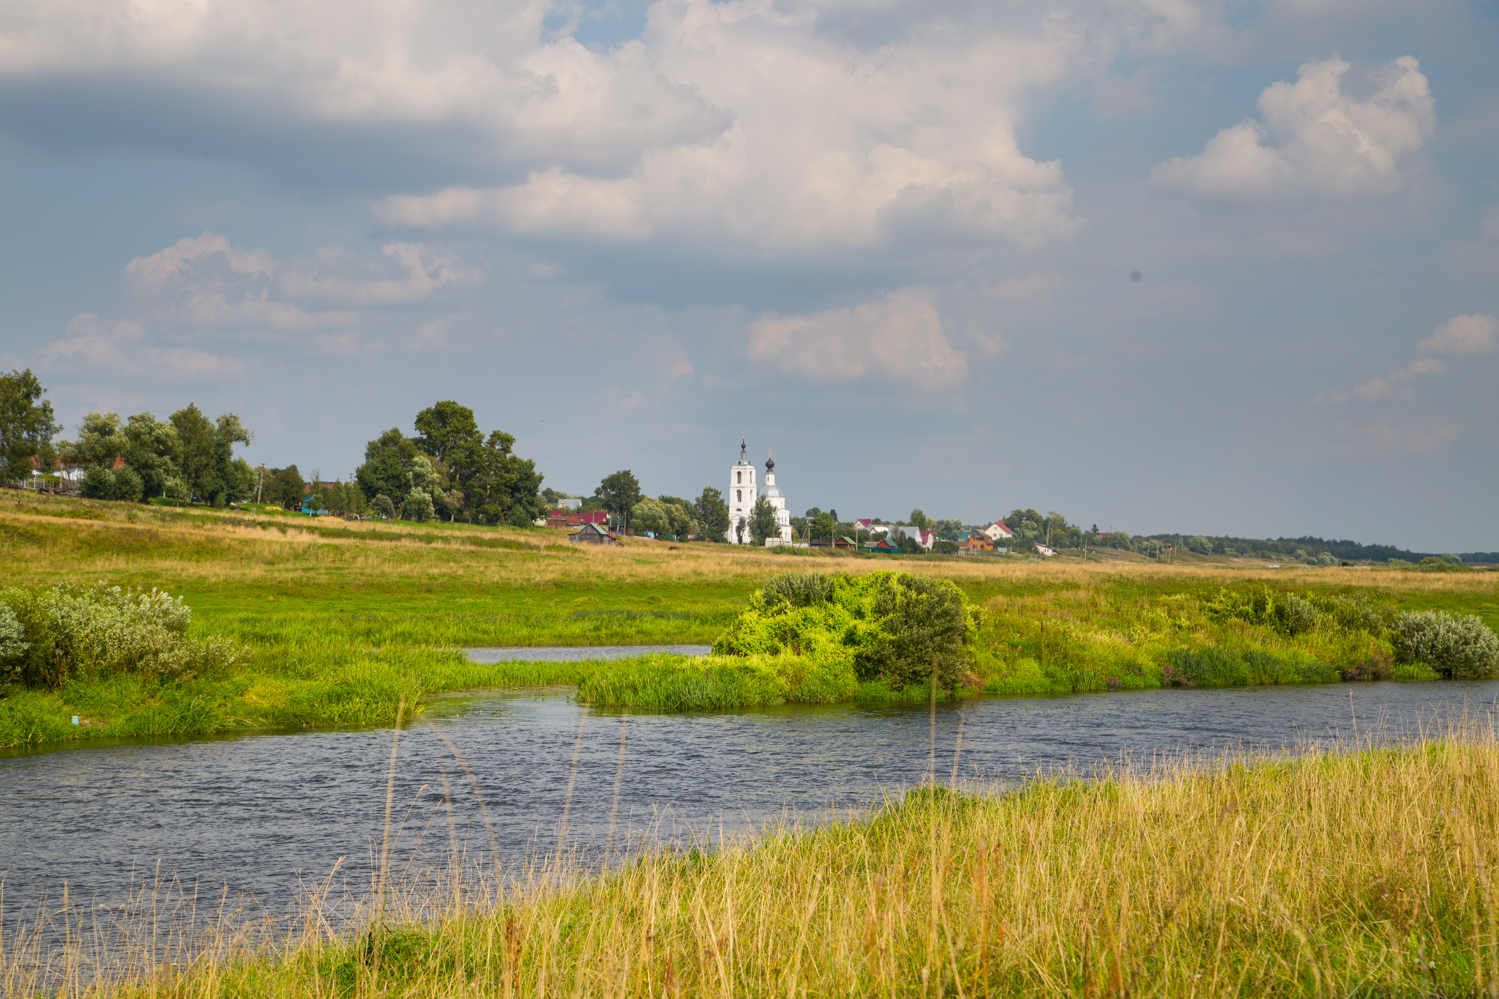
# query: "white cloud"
{"type": "Point", "coordinates": [206, 281]}
{"type": "Point", "coordinates": [120, 349]}
{"type": "Point", "coordinates": [899, 337]}
{"type": "Point", "coordinates": [1329, 141]}
{"type": "Point", "coordinates": [190, 293]}
{"type": "Point", "coordinates": [1391, 386]}
{"type": "Point", "coordinates": [1475, 333]}
{"type": "Point", "coordinates": [822, 143]}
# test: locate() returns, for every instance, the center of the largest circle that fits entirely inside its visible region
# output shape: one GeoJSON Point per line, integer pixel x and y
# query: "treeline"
{"type": "Point", "coordinates": [619, 494]}
{"type": "Point", "coordinates": [448, 468]}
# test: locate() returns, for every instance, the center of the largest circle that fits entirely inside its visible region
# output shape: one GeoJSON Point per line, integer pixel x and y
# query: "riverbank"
{"type": "Point", "coordinates": [1366, 872]}
{"type": "Point", "coordinates": [342, 622]}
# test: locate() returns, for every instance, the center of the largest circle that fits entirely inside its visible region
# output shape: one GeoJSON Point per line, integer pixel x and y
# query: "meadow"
{"type": "Point", "coordinates": [341, 622]}
{"type": "Point", "coordinates": [1361, 871]}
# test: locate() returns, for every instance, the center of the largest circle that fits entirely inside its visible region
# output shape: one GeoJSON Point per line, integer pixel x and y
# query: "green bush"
{"type": "Point", "coordinates": [127, 485]}
{"type": "Point", "coordinates": [73, 632]}
{"type": "Point", "coordinates": [98, 483]}
{"type": "Point", "coordinates": [13, 645]}
{"type": "Point", "coordinates": [1456, 648]}
{"type": "Point", "coordinates": [891, 626]}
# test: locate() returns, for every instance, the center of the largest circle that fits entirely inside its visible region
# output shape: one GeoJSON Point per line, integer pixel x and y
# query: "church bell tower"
{"type": "Point", "coordinates": [741, 496]}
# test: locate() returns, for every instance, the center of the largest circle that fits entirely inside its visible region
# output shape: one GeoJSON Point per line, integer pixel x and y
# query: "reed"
{"type": "Point", "coordinates": [1359, 871]}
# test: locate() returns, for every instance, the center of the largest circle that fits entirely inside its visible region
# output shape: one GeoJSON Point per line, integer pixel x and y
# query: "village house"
{"type": "Point", "coordinates": [976, 543]}
{"type": "Point", "coordinates": [591, 533]}
{"type": "Point", "coordinates": [567, 519]}
{"type": "Point", "coordinates": [997, 532]}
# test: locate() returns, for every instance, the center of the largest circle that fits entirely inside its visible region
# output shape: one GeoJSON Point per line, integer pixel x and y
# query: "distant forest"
{"type": "Point", "coordinates": [1345, 551]}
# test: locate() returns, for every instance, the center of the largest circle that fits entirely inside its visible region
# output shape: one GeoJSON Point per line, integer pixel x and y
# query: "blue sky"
{"type": "Point", "coordinates": [1229, 268]}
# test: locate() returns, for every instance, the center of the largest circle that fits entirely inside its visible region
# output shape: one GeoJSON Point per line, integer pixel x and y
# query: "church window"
{"type": "Point", "coordinates": [738, 476]}
{"type": "Point", "coordinates": [739, 496]}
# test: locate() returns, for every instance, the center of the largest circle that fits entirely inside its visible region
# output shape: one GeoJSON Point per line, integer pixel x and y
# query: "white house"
{"type": "Point", "coordinates": [997, 532]}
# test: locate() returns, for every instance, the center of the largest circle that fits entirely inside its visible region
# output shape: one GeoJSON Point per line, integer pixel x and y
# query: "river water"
{"type": "Point", "coordinates": [265, 814]}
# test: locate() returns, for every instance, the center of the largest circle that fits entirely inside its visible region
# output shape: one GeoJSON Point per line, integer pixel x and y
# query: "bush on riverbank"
{"type": "Point", "coordinates": [1460, 648]}
{"type": "Point", "coordinates": [1347, 874]}
{"type": "Point", "coordinates": [70, 633]}
{"type": "Point", "coordinates": [894, 627]}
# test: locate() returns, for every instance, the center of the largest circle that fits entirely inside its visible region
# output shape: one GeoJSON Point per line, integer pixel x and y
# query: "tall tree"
{"type": "Point", "coordinates": [153, 451]}
{"type": "Point", "coordinates": [387, 466]}
{"type": "Point", "coordinates": [208, 465]}
{"type": "Point", "coordinates": [712, 515]}
{"type": "Point", "coordinates": [619, 492]}
{"type": "Point", "coordinates": [27, 425]}
{"type": "Point", "coordinates": [100, 442]}
{"type": "Point", "coordinates": [447, 432]}
{"type": "Point", "coordinates": [762, 521]}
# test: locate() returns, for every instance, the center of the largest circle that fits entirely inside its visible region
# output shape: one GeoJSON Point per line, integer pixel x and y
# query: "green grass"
{"type": "Point", "coordinates": [343, 620]}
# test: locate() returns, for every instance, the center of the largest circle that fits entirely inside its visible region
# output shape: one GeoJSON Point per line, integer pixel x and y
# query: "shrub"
{"type": "Point", "coordinates": [98, 483]}
{"type": "Point", "coordinates": [1200, 545]}
{"type": "Point", "coordinates": [797, 589]}
{"type": "Point", "coordinates": [1456, 648]}
{"type": "Point", "coordinates": [891, 626]}
{"type": "Point", "coordinates": [13, 644]}
{"type": "Point", "coordinates": [418, 506]}
{"type": "Point", "coordinates": [73, 632]}
{"type": "Point", "coordinates": [383, 506]}
{"type": "Point", "coordinates": [127, 485]}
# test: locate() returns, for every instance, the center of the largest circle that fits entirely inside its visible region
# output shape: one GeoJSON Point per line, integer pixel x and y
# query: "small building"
{"type": "Point", "coordinates": [845, 542]}
{"type": "Point", "coordinates": [592, 534]}
{"type": "Point", "coordinates": [926, 538]}
{"type": "Point", "coordinates": [975, 543]}
{"type": "Point", "coordinates": [997, 532]}
{"type": "Point", "coordinates": [882, 545]}
{"type": "Point", "coordinates": [569, 520]}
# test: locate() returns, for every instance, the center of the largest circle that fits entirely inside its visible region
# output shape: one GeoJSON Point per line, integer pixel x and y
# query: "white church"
{"type": "Point", "coordinates": [742, 495]}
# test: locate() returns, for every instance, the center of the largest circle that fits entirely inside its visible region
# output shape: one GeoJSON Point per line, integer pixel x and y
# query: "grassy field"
{"type": "Point", "coordinates": [343, 621]}
{"type": "Point", "coordinates": [1367, 872]}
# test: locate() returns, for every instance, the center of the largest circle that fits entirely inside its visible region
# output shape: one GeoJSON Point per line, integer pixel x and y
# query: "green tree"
{"type": "Point", "coordinates": [919, 520]}
{"type": "Point", "coordinates": [100, 442]}
{"type": "Point", "coordinates": [127, 485]}
{"type": "Point", "coordinates": [208, 454]}
{"type": "Point", "coordinates": [762, 521]}
{"type": "Point", "coordinates": [823, 526]}
{"type": "Point", "coordinates": [153, 451]}
{"type": "Point", "coordinates": [383, 506]}
{"type": "Point", "coordinates": [712, 515]}
{"type": "Point", "coordinates": [286, 487]}
{"type": "Point", "coordinates": [619, 492]}
{"type": "Point", "coordinates": [651, 515]}
{"type": "Point", "coordinates": [27, 425]}
{"type": "Point", "coordinates": [418, 506]}
{"type": "Point", "coordinates": [98, 483]}
{"type": "Point", "coordinates": [1200, 545]}
{"type": "Point", "coordinates": [387, 466]}
{"type": "Point", "coordinates": [447, 431]}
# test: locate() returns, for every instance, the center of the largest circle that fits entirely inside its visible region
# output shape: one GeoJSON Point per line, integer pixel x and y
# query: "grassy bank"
{"type": "Point", "coordinates": [1363, 873]}
{"type": "Point", "coordinates": [341, 621]}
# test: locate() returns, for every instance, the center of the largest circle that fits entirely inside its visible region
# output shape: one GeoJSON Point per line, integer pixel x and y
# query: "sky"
{"type": "Point", "coordinates": [1157, 265]}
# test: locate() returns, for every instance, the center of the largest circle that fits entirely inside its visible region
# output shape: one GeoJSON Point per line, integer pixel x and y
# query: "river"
{"type": "Point", "coordinates": [264, 814]}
